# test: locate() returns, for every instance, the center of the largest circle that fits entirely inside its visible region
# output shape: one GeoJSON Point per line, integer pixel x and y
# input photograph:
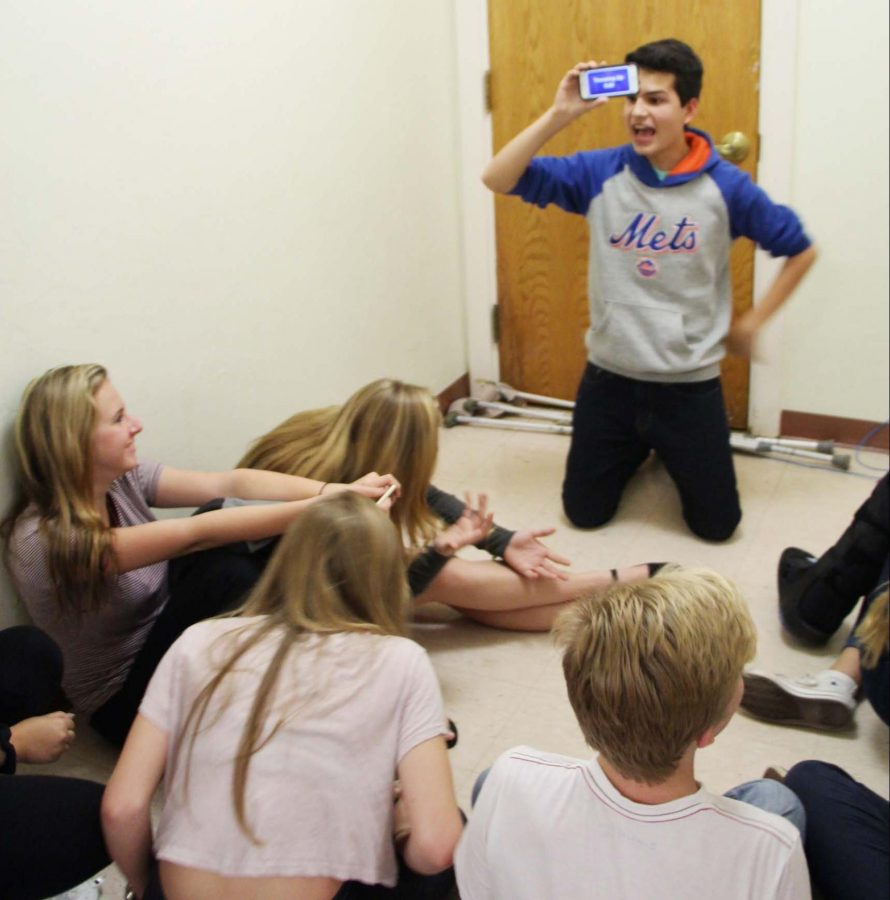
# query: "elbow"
{"type": "Point", "coordinates": [431, 859]}
{"type": "Point", "coordinates": [808, 257]}
{"type": "Point", "coordinates": [432, 851]}
{"type": "Point", "coordinates": [120, 812]}
{"type": "Point", "coordinates": [487, 180]}
{"type": "Point", "coordinates": [491, 180]}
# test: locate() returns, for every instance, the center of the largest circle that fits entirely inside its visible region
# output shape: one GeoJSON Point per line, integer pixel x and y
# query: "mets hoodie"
{"type": "Point", "coordinates": [659, 280]}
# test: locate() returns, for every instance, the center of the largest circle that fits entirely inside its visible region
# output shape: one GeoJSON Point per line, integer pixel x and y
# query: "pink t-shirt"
{"type": "Point", "coordinates": [99, 647]}
{"type": "Point", "coordinates": [319, 793]}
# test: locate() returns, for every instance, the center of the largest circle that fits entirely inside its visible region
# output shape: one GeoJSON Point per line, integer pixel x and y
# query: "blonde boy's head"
{"type": "Point", "coordinates": [652, 666]}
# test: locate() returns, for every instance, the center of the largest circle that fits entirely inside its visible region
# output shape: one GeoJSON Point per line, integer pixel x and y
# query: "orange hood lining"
{"type": "Point", "coordinates": [699, 152]}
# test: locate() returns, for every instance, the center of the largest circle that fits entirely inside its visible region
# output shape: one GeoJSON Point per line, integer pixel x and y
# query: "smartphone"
{"type": "Point", "coordinates": [608, 81]}
{"type": "Point", "coordinates": [386, 495]}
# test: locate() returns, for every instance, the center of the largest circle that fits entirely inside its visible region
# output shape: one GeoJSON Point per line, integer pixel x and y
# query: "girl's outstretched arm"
{"type": "Point", "coordinates": [182, 487]}
{"type": "Point", "coordinates": [136, 546]}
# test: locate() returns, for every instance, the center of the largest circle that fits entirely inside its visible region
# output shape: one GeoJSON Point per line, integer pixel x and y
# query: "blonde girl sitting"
{"type": "Point", "coordinates": [88, 557]}
{"type": "Point", "coordinates": [394, 427]}
{"type": "Point", "coordinates": [279, 733]}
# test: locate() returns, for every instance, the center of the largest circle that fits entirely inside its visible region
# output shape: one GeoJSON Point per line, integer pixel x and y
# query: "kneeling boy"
{"type": "Point", "coordinates": [653, 671]}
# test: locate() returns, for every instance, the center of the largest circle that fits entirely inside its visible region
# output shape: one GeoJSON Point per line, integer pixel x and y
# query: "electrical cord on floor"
{"type": "Point", "coordinates": [859, 447]}
{"type": "Point", "coordinates": [864, 443]}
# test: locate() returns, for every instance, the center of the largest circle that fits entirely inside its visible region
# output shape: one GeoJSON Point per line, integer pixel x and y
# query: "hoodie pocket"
{"type": "Point", "coordinates": [640, 338]}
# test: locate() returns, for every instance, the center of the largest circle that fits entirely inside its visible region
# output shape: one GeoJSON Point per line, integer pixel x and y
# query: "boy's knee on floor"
{"type": "Point", "coordinates": [714, 529]}
{"type": "Point", "coordinates": [586, 516]}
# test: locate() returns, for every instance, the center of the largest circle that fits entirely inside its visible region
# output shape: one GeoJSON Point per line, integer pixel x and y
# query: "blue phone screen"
{"type": "Point", "coordinates": [607, 81]}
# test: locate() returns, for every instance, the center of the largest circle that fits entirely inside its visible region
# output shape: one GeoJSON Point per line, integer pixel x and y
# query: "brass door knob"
{"type": "Point", "coordinates": [734, 146]}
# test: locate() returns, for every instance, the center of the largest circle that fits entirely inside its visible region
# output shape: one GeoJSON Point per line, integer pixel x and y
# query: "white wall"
{"type": "Point", "coordinates": [242, 209]}
{"type": "Point", "coordinates": [836, 348]}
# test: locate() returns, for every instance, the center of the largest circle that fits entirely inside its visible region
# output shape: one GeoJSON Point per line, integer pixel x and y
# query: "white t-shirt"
{"type": "Point", "coordinates": [319, 793]}
{"type": "Point", "coordinates": [547, 826]}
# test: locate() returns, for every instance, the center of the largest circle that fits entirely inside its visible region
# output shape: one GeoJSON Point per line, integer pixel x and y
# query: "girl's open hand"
{"type": "Point", "coordinates": [526, 555]}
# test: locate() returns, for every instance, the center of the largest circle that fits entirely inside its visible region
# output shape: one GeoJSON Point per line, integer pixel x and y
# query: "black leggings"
{"type": "Point", "coordinates": [51, 836]}
{"type": "Point", "coordinates": [30, 675]}
{"type": "Point", "coordinates": [202, 585]}
{"type": "Point", "coordinates": [50, 832]}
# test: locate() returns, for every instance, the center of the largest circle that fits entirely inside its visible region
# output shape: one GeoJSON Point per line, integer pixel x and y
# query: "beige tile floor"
{"type": "Point", "coordinates": [503, 689]}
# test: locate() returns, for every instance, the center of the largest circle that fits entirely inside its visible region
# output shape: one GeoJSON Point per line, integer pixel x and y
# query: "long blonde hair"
{"type": "Point", "coordinates": [873, 632]}
{"type": "Point", "coordinates": [337, 568]}
{"type": "Point", "coordinates": [387, 426]}
{"type": "Point", "coordinates": [53, 441]}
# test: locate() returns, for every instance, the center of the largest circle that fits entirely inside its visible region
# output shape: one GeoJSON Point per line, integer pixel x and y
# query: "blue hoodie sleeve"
{"type": "Point", "coordinates": [570, 182]}
{"type": "Point", "coordinates": [752, 214]}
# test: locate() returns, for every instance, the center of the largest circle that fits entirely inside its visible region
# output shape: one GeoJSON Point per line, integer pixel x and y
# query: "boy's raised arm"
{"type": "Point", "coordinates": [508, 164]}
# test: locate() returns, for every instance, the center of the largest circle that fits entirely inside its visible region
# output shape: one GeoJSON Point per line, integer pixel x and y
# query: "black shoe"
{"type": "Point", "coordinates": [797, 571]}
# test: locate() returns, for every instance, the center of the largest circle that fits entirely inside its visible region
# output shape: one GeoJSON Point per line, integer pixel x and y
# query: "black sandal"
{"type": "Point", "coordinates": [452, 742]}
{"type": "Point", "coordinates": [652, 568]}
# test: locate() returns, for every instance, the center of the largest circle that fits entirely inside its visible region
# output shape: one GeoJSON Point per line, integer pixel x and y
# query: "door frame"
{"type": "Point", "coordinates": [778, 54]}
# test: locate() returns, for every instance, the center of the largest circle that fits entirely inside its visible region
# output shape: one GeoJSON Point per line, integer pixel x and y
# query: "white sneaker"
{"type": "Point", "coordinates": [91, 889]}
{"type": "Point", "coordinates": [825, 700]}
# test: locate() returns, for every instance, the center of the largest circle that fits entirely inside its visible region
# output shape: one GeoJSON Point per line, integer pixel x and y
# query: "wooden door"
{"type": "Point", "coordinates": [542, 254]}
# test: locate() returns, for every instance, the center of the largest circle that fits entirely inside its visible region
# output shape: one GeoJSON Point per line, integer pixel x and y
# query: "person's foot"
{"type": "Point", "coordinates": [640, 571]}
{"type": "Point", "coordinates": [775, 773]}
{"type": "Point", "coordinates": [825, 700]}
{"type": "Point", "coordinates": [797, 571]}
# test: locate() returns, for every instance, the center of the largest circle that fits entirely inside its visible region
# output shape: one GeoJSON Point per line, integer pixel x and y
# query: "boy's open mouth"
{"type": "Point", "coordinates": [643, 131]}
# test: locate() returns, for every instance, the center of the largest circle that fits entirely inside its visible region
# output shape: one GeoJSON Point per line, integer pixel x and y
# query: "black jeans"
{"type": "Point", "coordinates": [618, 421]}
{"type": "Point", "coordinates": [202, 585]}
{"type": "Point", "coordinates": [848, 829]}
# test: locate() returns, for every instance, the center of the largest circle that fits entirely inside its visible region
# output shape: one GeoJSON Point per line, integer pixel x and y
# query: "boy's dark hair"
{"type": "Point", "coordinates": [671, 55]}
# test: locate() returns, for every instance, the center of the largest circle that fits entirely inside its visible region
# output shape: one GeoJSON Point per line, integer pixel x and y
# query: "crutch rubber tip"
{"type": "Point", "coordinates": [841, 461]}
{"type": "Point", "coordinates": [450, 420]}
{"type": "Point", "coordinates": [471, 405]}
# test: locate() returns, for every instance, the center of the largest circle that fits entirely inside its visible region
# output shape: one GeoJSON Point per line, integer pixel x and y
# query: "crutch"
{"type": "Point", "coordinates": [746, 443]}
{"type": "Point", "coordinates": [510, 394]}
{"type": "Point", "coordinates": [493, 409]}
{"type": "Point", "coordinates": [818, 451]}
{"type": "Point", "coordinates": [454, 418]}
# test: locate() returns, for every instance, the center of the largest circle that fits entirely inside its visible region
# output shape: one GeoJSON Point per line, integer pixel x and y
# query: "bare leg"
{"type": "Point", "coordinates": [495, 595]}
{"type": "Point", "coordinates": [850, 663]}
{"type": "Point", "coordinates": [530, 618]}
